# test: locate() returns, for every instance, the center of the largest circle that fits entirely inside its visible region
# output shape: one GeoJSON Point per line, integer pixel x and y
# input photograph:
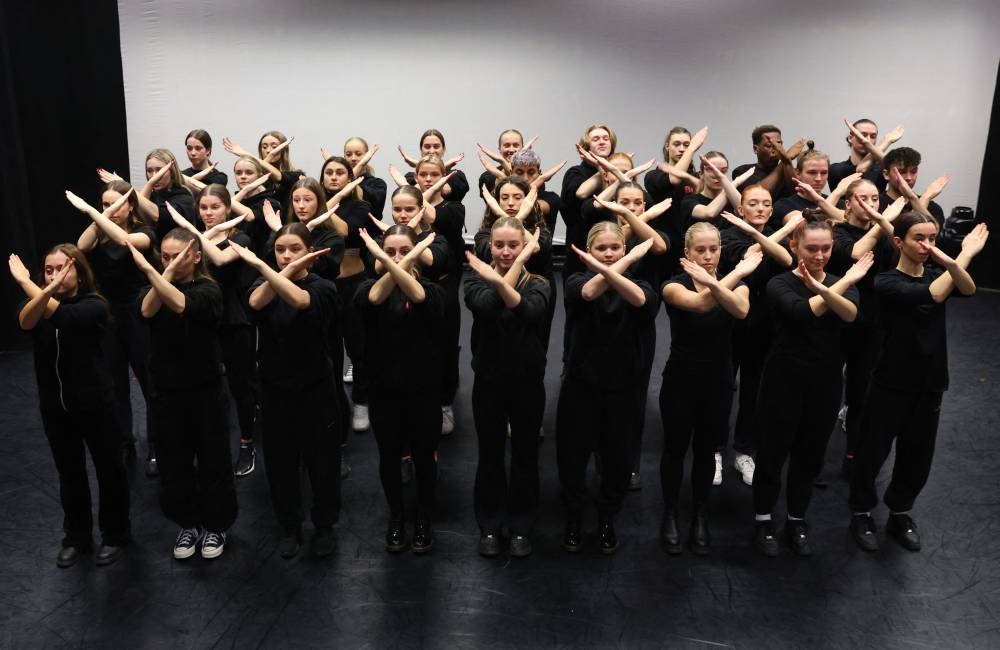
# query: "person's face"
{"type": "Point", "coordinates": [712, 180]}
{"type": "Point", "coordinates": [335, 177]}
{"type": "Point", "coordinates": [917, 244]}
{"type": "Point", "coordinates": [677, 145]}
{"type": "Point", "coordinates": [245, 173]}
{"type": "Point", "coordinates": [354, 151]}
{"type": "Point", "coordinates": [633, 199]}
{"type": "Point", "coordinates": [305, 204]}
{"type": "Point", "coordinates": [607, 247]}
{"type": "Point", "coordinates": [397, 247]}
{"type": "Point", "coordinates": [865, 194]}
{"type": "Point", "coordinates": [909, 174]}
{"type": "Point", "coordinates": [814, 247]}
{"type": "Point", "coordinates": [212, 211]}
{"type": "Point", "coordinates": [404, 208]}
{"type": "Point", "coordinates": [288, 248]}
{"type": "Point", "coordinates": [510, 144]}
{"type": "Point", "coordinates": [171, 248]}
{"type": "Point", "coordinates": [53, 264]}
{"type": "Point", "coordinates": [427, 175]}
{"type": "Point", "coordinates": [505, 245]}
{"type": "Point", "coordinates": [154, 165]}
{"type": "Point", "coordinates": [869, 131]}
{"type": "Point", "coordinates": [600, 142]}
{"type": "Point", "coordinates": [704, 251]}
{"type": "Point", "coordinates": [766, 149]}
{"type": "Point", "coordinates": [196, 152]}
{"type": "Point", "coordinates": [431, 146]}
{"type": "Point", "coordinates": [756, 207]}
{"type": "Point", "coordinates": [623, 165]}
{"type": "Point", "coordinates": [120, 216]}
{"type": "Point", "coordinates": [509, 197]}
{"type": "Point", "coordinates": [814, 173]}
{"type": "Point", "coordinates": [267, 143]}
{"type": "Point", "coordinates": [527, 173]}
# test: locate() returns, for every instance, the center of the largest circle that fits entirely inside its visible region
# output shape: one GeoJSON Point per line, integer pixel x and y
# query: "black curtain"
{"type": "Point", "coordinates": [62, 115]}
{"type": "Point", "coordinates": [985, 268]}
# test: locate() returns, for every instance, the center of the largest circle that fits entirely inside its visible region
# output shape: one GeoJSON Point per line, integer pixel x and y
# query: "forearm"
{"type": "Point", "coordinates": [148, 208]}
{"type": "Point", "coordinates": [629, 290]}
{"type": "Point", "coordinates": [284, 288]}
{"type": "Point", "coordinates": [588, 187]}
{"type": "Point", "coordinates": [712, 210]}
{"type": "Point", "coordinates": [510, 297]}
{"type": "Point", "coordinates": [88, 239]}
{"type": "Point", "coordinates": [381, 289]}
{"type": "Point", "coordinates": [162, 292]}
{"type": "Point", "coordinates": [736, 304]}
{"type": "Point", "coordinates": [39, 306]}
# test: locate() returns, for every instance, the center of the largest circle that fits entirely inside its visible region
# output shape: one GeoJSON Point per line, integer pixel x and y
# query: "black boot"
{"type": "Point", "coordinates": [699, 539]}
{"type": "Point", "coordinates": [572, 536]}
{"type": "Point", "coordinates": [670, 536]}
{"type": "Point", "coordinates": [606, 534]}
{"type": "Point", "coordinates": [152, 467]}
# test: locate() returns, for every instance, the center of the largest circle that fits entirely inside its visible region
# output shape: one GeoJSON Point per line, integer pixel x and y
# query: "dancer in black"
{"type": "Point", "coordinates": [198, 144]}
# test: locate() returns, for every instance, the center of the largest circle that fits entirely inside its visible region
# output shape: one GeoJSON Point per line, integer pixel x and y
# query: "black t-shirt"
{"type": "Point", "coordinates": [685, 216]}
{"type": "Point", "coordinates": [184, 348]}
{"type": "Point", "coordinates": [459, 185]}
{"type": "Point", "coordinates": [569, 206]}
{"type": "Point", "coordinates": [117, 276]}
{"type": "Point", "coordinates": [701, 342]}
{"type": "Point", "coordinates": [800, 336]}
{"type": "Point", "coordinates": [841, 170]}
{"type": "Point", "coordinates": [258, 230]}
{"type": "Point", "coordinates": [539, 263]}
{"type": "Point", "coordinates": [449, 223]}
{"type": "Point", "coordinates": [884, 202]}
{"type": "Point", "coordinates": [786, 205]}
{"type": "Point", "coordinates": [760, 172]}
{"type": "Point", "coordinates": [294, 345]}
{"type": "Point", "coordinates": [232, 280]}
{"type": "Point", "coordinates": [845, 236]}
{"type": "Point", "coordinates": [915, 351]}
{"type": "Point", "coordinates": [373, 191]}
{"type": "Point", "coordinates": [735, 243]}
{"type": "Point", "coordinates": [212, 177]}
{"type": "Point", "coordinates": [70, 366]}
{"type": "Point", "coordinates": [182, 201]}
{"type": "Point", "coordinates": [508, 343]}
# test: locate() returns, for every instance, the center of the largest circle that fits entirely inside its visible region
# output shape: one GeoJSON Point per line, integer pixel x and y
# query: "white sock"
{"type": "Point", "coordinates": [762, 517]}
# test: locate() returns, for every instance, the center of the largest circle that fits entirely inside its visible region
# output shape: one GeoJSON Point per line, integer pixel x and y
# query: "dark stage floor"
{"type": "Point", "coordinates": [944, 597]}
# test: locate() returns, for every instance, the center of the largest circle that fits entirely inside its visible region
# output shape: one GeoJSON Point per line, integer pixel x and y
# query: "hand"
{"type": "Point", "coordinates": [639, 251]}
{"type": "Point", "coordinates": [235, 149]}
{"type": "Point", "coordinates": [316, 222]}
{"type": "Point", "coordinates": [530, 246]}
{"type": "Point", "coordinates": [303, 263]}
{"type": "Point", "coordinates": [587, 157]}
{"type": "Point", "coordinates": [894, 210]}
{"type": "Point", "coordinates": [411, 258]}
{"type": "Point", "coordinates": [272, 217]}
{"type": "Point", "coordinates": [18, 270]}
{"type": "Point", "coordinates": [140, 260]}
{"type": "Point", "coordinates": [611, 206]}
{"type": "Point", "coordinates": [974, 242]}
{"type": "Point", "coordinates": [397, 176]}
{"type": "Point", "coordinates": [806, 191]}
{"type": "Point", "coordinates": [811, 283]}
{"type": "Point", "coordinates": [163, 171]}
{"type": "Point", "coordinates": [738, 223]}
{"type": "Point", "coordinates": [448, 164]}
{"type": "Point", "coordinates": [205, 172]}
{"type": "Point", "coordinates": [742, 178]}
{"type": "Point", "coordinates": [484, 270]}
{"type": "Point", "coordinates": [697, 272]}
{"type": "Point", "coordinates": [246, 254]}
{"type": "Point", "coordinates": [180, 220]}
{"type": "Point", "coordinates": [106, 176]}
{"type": "Point", "coordinates": [845, 182]}
{"type": "Point", "coordinates": [415, 221]}
{"type": "Point", "coordinates": [901, 185]}
{"type": "Point", "coordinates": [793, 219]}
{"type": "Point", "coordinates": [860, 268]}
{"type": "Point", "coordinates": [635, 171]}
{"type": "Point", "coordinates": [409, 161]}
{"type": "Point", "coordinates": [530, 143]}
{"type": "Point", "coordinates": [372, 245]}
{"type": "Point", "coordinates": [547, 175]}
{"type": "Point", "coordinates": [749, 263]}
{"type": "Point", "coordinates": [588, 260]}
{"type": "Point", "coordinates": [224, 226]}
{"type": "Point", "coordinates": [250, 187]}
{"type": "Point", "coordinates": [858, 135]}
{"type": "Point", "coordinates": [272, 155]}
{"type": "Point", "coordinates": [489, 153]}
{"type": "Point", "coordinates": [382, 226]}
{"type": "Point", "coordinates": [52, 287]}
{"type": "Point", "coordinates": [793, 151]}
{"type": "Point", "coordinates": [80, 204]}
{"type": "Point", "coordinates": [186, 255]}
{"type": "Point", "coordinates": [698, 139]}
{"type": "Point", "coordinates": [325, 153]}
{"type": "Point", "coordinates": [894, 135]}
{"type": "Point", "coordinates": [935, 187]}
{"type": "Point", "coordinates": [434, 189]}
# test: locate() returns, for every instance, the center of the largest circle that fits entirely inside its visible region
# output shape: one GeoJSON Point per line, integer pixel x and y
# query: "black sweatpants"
{"type": "Point", "coordinates": [497, 499]}
{"type": "Point", "coordinates": [67, 433]}
{"type": "Point", "coordinates": [911, 419]}
{"type": "Point", "coordinates": [694, 406]}
{"type": "Point", "coordinates": [196, 472]}
{"type": "Point", "coordinates": [861, 345]}
{"type": "Point", "coordinates": [302, 428]}
{"type": "Point", "coordinates": [335, 341]}
{"type": "Point", "coordinates": [797, 411]}
{"type": "Point", "coordinates": [451, 330]}
{"type": "Point", "coordinates": [352, 328]}
{"type": "Point", "coordinates": [750, 345]}
{"type": "Point", "coordinates": [593, 419]}
{"type": "Point", "coordinates": [238, 343]}
{"type": "Point", "coordinates": [404, 423]}
{"type": "Point", "coordinates": [127, 345]}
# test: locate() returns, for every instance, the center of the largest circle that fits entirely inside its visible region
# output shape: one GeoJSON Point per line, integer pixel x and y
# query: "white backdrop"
{"type": "Point", "coordinates": [324, 70]}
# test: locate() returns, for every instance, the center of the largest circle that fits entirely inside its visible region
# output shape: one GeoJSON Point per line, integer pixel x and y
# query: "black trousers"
{"type": "Point", "coordinates": [648, 352]}
{"type": "Point", "coordinates": [911, 419]}
{"type": "Point", "coordinates": [594, 419]}
{"type": "Point", "coordinates": [451, 331]}
{"type": "Point", "coordinates": [750, 345]}
{"type": "Point", "coordinates": [352, 328]}
{"type": "Point", "coordinates": [302, 428]}
{"type": "Point", "coordinates": [404, 423]}
{"type": "Point", "coordinates": [694, 406]}
{"type": "Point", "coordinates": [797, 411]}
{"type": "Point", "coordinates": [499, 500]}
{"type": "Point", "coordinates": [861, 345]}
{"type": "Point", "coordinates": [335, 341]}
{"type": "Point", "coordinates": [238, 343]}
{"type": "Point", "coordinates": [196, 472]}
{"type": "Point", "coordinates": [127, 345]}
{"type": "Point", "coordinates": [97, 429]}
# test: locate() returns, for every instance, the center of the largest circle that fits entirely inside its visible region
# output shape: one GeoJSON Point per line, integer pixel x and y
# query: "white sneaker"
{"type": "Point", "coordinates": [359, 417]}
{"type": "Point", "coordinates": [447, 420]}
{"type": "Point", "coordinates": [717, 479]}
{"type": "Point", "coordinates": [349, 374]}
{"type": "Point", "coordinates": [213, 545]}
{"type": "Point", "coordinates": [744, 465]}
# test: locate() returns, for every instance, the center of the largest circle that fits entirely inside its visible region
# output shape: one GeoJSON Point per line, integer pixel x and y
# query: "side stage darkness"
{"type": "Point", "coordinates": [945, 596]}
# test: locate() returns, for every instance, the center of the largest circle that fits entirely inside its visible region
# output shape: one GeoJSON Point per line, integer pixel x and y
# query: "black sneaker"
{"type": "Point", "coordinates": [606, 534]}
{"type": "Point", "coordinates": [290, 543]}
{"type": "Point", "coordinates": [699, 538]}
{"type": "Point", "coordinates": [520, 546]}
{"type": "Point", "coordinates": [634, 482]}
{"type": "Point", "coordinates": [904, 529]}
{"type": "Point", "coordinates": [489, 544]}
{"type": "Point", "coordinates": [423, 537]}
{"type": "Point", "coordinates": [323, 543]}
{"type": "Point", "coordinates": [108, 555]}
{"type": "Point", "coordinates": [247, 460]}
{"type": "Point", "coordinates": [186, 543]}
{"type": "Point", "coordinates": [213, 545]}
{"type": "Point", "coordinates": [69, 555]}
{"type": "Point", "coordinates": [152, 467]}
{"type": "Point", "coordinates": [864, 531]}
{"type": "Point", "coordinates": [797, 536]}
{"type": "Point", "coordinates": [395, 536]}
{"type": "Point", "coordinates": [572, 536]}
{"type": "Point", "coordinates": [764, 538]}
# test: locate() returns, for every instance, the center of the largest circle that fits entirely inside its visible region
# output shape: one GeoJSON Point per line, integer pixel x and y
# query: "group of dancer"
{"type": "Point", "coordinates": [239, 308]}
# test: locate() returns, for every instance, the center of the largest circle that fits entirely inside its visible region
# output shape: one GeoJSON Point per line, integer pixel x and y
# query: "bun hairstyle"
{"type": "Point", "coordinates": [815, 219]}
{"type": "Point", "coordinates": [810, 153]}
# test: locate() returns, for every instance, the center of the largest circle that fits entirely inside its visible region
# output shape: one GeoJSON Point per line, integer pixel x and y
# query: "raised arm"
{"type": "Point", "coordinates": [146, 205]}
{"type": "Point", "coordinates": [396, 274]}
{"type": "Point", "coordinates": [957, 277]}
{"type": "Point", "coordinates": [41, 303]}
{"type": "Point", "coordinates": [275, 283]}
{"type": "Point", "coordinates": [214, 254]}
{"type": "Point", "coordinates": [510, 297]}
{"type": "Point", "coordinates": [771, 246]}
{"type": "Point", "coordinates": [103, 222]}
{"type": "Point", "coordinates": [832, 297]}
{"type": "Point", "coordinates": [635, 226]}
{"type": "Point", "coordinates": [162, 291]}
